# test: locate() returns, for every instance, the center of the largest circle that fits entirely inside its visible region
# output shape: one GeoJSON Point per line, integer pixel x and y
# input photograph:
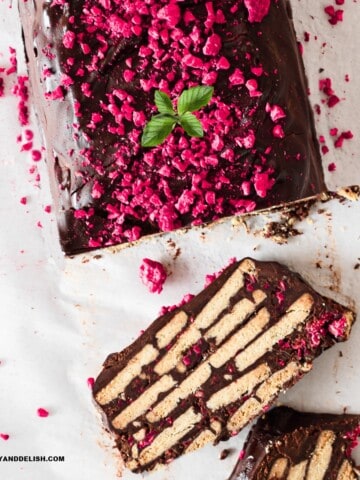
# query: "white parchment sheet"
{"type": "Point", "coordinates": [60, 317]}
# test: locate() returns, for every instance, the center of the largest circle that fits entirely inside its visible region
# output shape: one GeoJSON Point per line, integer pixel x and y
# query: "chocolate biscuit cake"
{"type": "Point", "coordinates": [202, 372]}
{"type": "Point", "coordinates": [289, 445]}
{"type": "Point", "coordinates": [95, 66]}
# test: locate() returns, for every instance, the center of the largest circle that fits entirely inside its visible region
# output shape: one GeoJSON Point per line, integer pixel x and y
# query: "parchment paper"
{"type": "Point", "coordinates": [60, 317]}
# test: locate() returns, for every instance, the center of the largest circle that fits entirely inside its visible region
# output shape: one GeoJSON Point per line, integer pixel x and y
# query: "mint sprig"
{"type": "Point", "coordinates": [162, 124]}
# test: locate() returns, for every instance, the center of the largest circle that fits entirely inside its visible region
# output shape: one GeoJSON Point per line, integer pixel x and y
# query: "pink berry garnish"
{"type": "Point", "coordinates": [42, 412]}
{"type": "Point", "coordinates": [90, 382]}
{"type": "Point", "coordinates": [152, 275]}
{"type": "Point", "coordinates": [4, 436]}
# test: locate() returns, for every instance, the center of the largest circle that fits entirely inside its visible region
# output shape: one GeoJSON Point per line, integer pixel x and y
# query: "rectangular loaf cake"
{"type": "Point", "coordinates": [94, 68]}
{"type": "Point", "coordinates": [289, 445]}
{"type": "Point", "coordinates": [200, 373]}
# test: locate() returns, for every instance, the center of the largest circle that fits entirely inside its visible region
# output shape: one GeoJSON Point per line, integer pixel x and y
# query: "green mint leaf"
{"type": "Point", "coordinates": [157, 129]}
{"type": "Point", "coordinates": [194, 99]}
{"type": "Point", "coordinates": [191, 125]}
{"type": "Point", "coordinates": [163, 102]}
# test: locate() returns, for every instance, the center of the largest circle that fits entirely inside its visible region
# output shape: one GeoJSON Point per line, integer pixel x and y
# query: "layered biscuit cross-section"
{"type": "Point", "coordinates": [200, 373]}
{"type": "Point", "coordinates": [290, 445]}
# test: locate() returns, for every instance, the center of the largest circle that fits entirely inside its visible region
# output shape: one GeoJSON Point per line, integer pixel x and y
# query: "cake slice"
{"type": "Point", "coordinates": [95, 67]}
{"type": "Point", "coordinates": [289, 445]}
{"type": "Point", "coordinates": [202, 372]}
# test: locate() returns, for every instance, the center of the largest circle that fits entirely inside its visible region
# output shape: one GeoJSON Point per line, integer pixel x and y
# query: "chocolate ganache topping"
{"type": "Point", "coordinates": [95, 66]}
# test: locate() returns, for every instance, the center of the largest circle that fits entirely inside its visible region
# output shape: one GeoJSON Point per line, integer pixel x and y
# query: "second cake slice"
{"type": "Point", "coordinates": [200, 373]}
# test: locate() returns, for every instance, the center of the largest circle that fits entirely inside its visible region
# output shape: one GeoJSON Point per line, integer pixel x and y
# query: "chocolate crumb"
{"type": "Point", "coordinates": [280, 231]}
{"type": "Point", "coordinates": [225, 453]}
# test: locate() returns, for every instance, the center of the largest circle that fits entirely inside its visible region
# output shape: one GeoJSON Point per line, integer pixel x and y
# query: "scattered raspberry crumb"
{"type": "Point", "coordinates": [152, 275]}
{"type": "Point", "coordinates": [36, 155]}
{"type": "Point", "coordinates": [39, 224]}
{"type": "Point", "coordinates": [57, 94]}
{"type": "Point", "coordinates": [213, 276]}
{"type": "Point", "coordinates": [23, 200]}
{"type": "Point", "coordinates": [13, 62]}
{"type": "Point", "coordinates": [28, 134]}
{"type": "Point", "coordinates": [90, 381]}
{"type": "Point", "coordinates": [343, 136]}
{"type": "Point", "coordinates": [333, 132]}
{"type": "Point", "coordinates": [324, 149]}
{"type": "Point", "coordinates": [1, 87]}
{"type": "Point", "coordinates": [335, 15]}
{"type": "Point", "coordinates": [332, 167]}
{"type": "Point", "coordinates": [26, 147]}
{"type": "Point", "coordinates": [338, 327]}
{"type": "Point", "coordinates": [4, 436]}
{"type": "Point", "coordinates": [42, 412]}
{"type": "Point", "coordinates": [47, 209]}
{"type": "Point", "coordinates": [186, 299]}
{"type": "Point", "coordinates": [333, 100]}
{"type": "Point", "coordinates": [20, 89]}
{"type": "Point", "coordinates": [241, 454]}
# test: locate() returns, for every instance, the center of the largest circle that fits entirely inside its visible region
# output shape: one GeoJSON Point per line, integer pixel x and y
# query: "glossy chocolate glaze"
{"type": "Point", "coordinates": [269, 274]}
{"type": "Point", "coordinates": [285, 432]}
{"type": "Point", "coordinates": [294, 160]}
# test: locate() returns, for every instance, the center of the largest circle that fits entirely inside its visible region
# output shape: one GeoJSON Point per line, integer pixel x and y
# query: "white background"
{"type": "Point", "coordinates": [60, 318]}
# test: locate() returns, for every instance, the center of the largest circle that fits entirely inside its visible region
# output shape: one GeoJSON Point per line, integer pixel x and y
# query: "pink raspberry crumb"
{"type": "Point", "coordinates": [335, 15]}
{"type": "Point", "coordinates": [213, 45]}
{"type": "Point", "coordinates": [263, 183]}
{"type": "Point", "coordinates": [324, 149]}
{"type": "Point", "coordinates": [241, 454]}
{"type": "Point", "coordinates": [278, 131]}
{"type": "Point", "coordinates": [152, 275]}
{"type": "Point", "coordinates": [36, 155]}
{"type": "Point", "coordinates": [211, 277]}
{"type": "Point", "coordinates": [90, 382]}
{"type": "Point", "coordinates": [41, 412]}
{"type": "Point", "coordinates": [4, 436]}
{"type": "Point", "coordinates": [258, 9]}
{"type": "Point", "coordinates": [332, 167]}
{"type": "Point", "coordinates": [23, 200]}
{"type": "Point", "coordinates": [338, 327]}
{"type": "Point", "coordinates": [333, 100]}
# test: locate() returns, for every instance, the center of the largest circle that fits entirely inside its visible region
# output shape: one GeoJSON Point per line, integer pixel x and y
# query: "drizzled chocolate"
{"type": "Point", "coordinates": [94, 67]}
{"type": "Point", "coordinates": [286, 444]}
{"type": "Point", "coordinates": [201, 372]}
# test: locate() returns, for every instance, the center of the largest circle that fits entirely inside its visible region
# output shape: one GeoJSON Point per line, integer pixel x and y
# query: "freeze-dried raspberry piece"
{"type": "Point", "coordinates": [152, 275]}
{"type": "Point", "coordinates": [258, 9]}
{"type": "Point", "coordinates": [335, 15]}
{"type": "Point", "coordinates": [42, 412]}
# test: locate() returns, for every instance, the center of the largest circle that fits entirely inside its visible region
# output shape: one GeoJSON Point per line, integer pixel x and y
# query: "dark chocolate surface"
{"type": "Point", "coordinates": [107, 189]}
{"type": "Point", "coordinates": [282, 288]}
{"type": "Point", "coordinates": [287, 433]}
